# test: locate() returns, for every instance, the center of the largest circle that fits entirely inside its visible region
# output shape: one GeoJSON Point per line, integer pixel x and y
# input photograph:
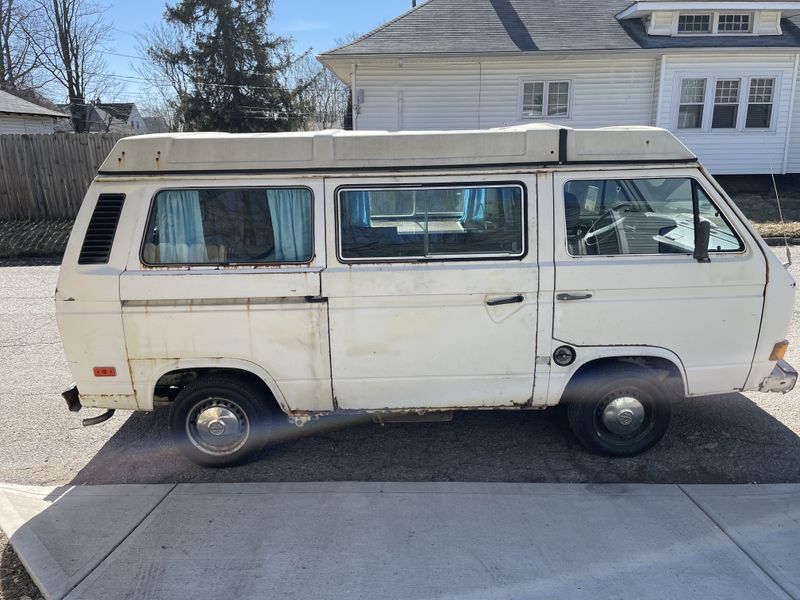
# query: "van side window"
{"type": "Point", "coordinates": [218, 226]}
{"type": "Point", "coordinates": [640, 216]}
{"type": "Point", "coordinates": [433, 222]}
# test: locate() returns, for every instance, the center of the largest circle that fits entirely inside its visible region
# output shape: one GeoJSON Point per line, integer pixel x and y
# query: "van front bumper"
{"type": "Point", "coordinates": [782, 379]}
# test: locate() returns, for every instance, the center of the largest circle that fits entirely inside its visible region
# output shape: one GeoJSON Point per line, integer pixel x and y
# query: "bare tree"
{"type": "Point", "coordinates": [166, 78]}
{"type": "Point", "coordinates": [323, 101]}
{"type": "Point", "coordinates": [18, 56]}
{"type": "Point", "coordinates": [70, 43]}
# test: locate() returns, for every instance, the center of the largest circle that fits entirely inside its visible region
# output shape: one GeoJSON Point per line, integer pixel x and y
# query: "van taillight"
{"type": "Point", "coordinates": [102, 227]}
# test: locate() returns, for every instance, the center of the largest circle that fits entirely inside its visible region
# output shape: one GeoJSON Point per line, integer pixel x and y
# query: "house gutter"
{"type": "Point", "coordinates": [354, 95]}
{"type": "Point", "coordinates": [661, 82]}
{"type": "Point", "coordinates": [326, 59]}
{"type": "Point", "coordinates": [791, 115]}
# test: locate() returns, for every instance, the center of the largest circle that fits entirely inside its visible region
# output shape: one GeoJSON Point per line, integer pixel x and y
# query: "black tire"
{"type": "Point", "coordinates": [227, 404]}
{"type": "Point", "coordinates": [590, 411]}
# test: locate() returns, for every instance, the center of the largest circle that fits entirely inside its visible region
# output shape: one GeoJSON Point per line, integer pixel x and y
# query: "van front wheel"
{"type": "Point", "coordinates": [619, 411]}
{"type": "Point", "coordinates": [219, 420]}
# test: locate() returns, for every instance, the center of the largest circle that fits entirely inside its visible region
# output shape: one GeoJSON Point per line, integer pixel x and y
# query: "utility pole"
{"type": "Point", "coordinates": [413, 3]}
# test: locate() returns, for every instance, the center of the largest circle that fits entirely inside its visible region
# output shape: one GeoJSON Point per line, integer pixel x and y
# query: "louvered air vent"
{"type": "Point", "coordinates": [102, 227]}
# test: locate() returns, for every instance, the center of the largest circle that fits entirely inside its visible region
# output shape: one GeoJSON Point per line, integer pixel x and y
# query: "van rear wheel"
{"type": "Point", "coordinates": [220, 420]}
{"type": "Point", "coordinates": [619, 411]}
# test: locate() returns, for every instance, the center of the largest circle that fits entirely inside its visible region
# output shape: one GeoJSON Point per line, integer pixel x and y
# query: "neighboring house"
{"type": "Point", "coordinates": [20, 116]}
{"type": "Point", "coordinates": [722, 75]}
{"type": "Point", "coordinates": [120, 117]}
{"type": "Point", "coordinates": [156, 125]}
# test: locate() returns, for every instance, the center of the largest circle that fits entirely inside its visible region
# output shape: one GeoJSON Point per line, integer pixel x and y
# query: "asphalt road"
{"type": "Point", "coordinates": [736, 438]}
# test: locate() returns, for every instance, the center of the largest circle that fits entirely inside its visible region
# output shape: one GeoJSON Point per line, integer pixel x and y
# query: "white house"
{"type": "Point", "coordinates": [20, 116]}
{"type": "Point", "coordinates": [120, 117]}
{"type": "Point", "coordinates": [721, 74]}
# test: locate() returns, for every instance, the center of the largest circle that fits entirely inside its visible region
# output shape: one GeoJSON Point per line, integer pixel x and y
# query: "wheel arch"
{"type": "Point", "coordinates": [593, 358]}
{"type": "Point", "coordinates": [206, 365]}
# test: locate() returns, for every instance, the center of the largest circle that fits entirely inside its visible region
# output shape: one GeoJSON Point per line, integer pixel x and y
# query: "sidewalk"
{"type": "Point", "coordinates": [407, 540]}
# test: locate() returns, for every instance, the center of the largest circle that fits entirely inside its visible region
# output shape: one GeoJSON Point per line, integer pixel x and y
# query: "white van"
{"type": "Point", "coordinates": [237, 277]}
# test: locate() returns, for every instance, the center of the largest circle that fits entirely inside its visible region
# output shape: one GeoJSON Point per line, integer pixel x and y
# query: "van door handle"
{"type": "Point", "coordinates": [510, 300]}
{"type": "Point", "coordinates": [568, 297]}
{"type": "Point", "coordinates": [316, 299]}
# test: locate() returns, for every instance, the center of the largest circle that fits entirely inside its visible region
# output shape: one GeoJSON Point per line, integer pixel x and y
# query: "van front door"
{"type": "Point", "coordinates": [626, 275]}
{"type": "Point", "coordinates": [433, 294]}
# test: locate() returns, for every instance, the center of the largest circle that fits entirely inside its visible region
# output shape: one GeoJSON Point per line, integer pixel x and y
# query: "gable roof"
{"type": "Point", "coordinates": [10, 104]}
{"type": "Point", "coordinates": [513, 26]}
{"type": "Point", "coordinates": [118, 110]}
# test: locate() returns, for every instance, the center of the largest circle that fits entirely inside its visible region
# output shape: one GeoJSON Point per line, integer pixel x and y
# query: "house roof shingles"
{"type": "Point", "coordinates": [10, 104]}
{"type": "Point", "coordinates": [513, 26]}
{"type": "Point", "coordinates": [118, 110]}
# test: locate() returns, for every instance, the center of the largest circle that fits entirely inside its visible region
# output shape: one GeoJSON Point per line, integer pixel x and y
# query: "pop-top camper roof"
{"type": "Point", "coordinates": [333, 150]}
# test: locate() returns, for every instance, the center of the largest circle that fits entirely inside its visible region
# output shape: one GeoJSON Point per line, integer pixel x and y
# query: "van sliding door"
{"type": "Point", "coordinates": [432, 293]}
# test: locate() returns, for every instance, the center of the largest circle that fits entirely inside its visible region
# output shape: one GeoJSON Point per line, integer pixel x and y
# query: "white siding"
{"type": "Point", "coordinates": [608, 91]}
{"type": "Point", "coordinates": [732, 152]}
{"type": "Point", "coordinates": [768, 23]}
{"type": "Point", "coordinates": [660, 23]}
{"type": "Point", "coordinates": [793, 153]}
{"type": "Point", "coordinates": [25, 124]}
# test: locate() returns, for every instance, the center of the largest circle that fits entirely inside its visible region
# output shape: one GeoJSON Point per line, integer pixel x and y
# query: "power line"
{"type": "Point", "coordinates": [131, 78]}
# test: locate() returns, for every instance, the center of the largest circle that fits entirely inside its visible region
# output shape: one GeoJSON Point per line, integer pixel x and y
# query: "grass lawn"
{"type": "Point", "coordinates": [755, 196]}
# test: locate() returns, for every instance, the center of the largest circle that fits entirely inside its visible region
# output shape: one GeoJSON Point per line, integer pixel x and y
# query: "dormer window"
{"type": "Point", "coordinates": [735, 23]}
{"type": "Point", "coordinates": [694, 23]}
{"type": "Point", "coordinates": [714, 23]}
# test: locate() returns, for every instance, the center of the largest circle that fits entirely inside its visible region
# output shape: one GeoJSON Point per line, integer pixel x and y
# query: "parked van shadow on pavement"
{"type": "Point", "coordinates": [720, 439]}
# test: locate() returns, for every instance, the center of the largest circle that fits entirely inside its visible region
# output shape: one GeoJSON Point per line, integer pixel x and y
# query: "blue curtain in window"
{"type": "Point", "coordinates": [290, 211]}
{"type": "Point", "coordinates": [509, 204]}
{"type": "Point", "coordinates": [358, 208]}
{"type": "Point", "coordinates": [474, 205]}
{"type": "Point", "coordinates": [180, 227]}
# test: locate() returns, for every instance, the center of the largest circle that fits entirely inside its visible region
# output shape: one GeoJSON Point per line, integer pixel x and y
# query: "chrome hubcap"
{"type": "Point", "coordinates": [623, 415]}
{"type": "Point", "coordinates": [217, 426]}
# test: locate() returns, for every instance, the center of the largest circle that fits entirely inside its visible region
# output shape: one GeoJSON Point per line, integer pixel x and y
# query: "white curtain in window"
{"type": "Point", "coordinates": [290, 210]}
{"type": "Point", "coordinates": [180, 228]}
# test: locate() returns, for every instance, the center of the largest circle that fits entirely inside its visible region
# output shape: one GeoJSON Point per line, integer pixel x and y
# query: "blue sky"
{"type": "Point", "coordinates": [312, 23]}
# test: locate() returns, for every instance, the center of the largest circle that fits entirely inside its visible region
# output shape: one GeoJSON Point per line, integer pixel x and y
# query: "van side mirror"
{"type": "Point", "coordinates": [701, 236]}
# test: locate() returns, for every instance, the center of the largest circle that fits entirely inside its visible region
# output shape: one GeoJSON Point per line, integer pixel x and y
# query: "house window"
{"type": "Point", "coordinates": [735, 23]}
{"type": "Point", "coordinates": [759, 103]}
{"type": "Point", "coordinates": [533, 99]}
{"type": "Point", "coordinates": [545, 98]}
{"type": "Point", "coordinates": [693, 94]}
{"type": "Point", "coordinates": [694, 23]}
{"type": "Point", "coordinates": [726, 104]}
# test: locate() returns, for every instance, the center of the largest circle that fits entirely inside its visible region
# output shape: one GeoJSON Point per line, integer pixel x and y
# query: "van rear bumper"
{"type": "Point", "coordinates": [782, 379]}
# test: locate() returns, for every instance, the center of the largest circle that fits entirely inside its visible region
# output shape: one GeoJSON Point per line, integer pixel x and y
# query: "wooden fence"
{"type": "Point", "coordinates": [46, 176]}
